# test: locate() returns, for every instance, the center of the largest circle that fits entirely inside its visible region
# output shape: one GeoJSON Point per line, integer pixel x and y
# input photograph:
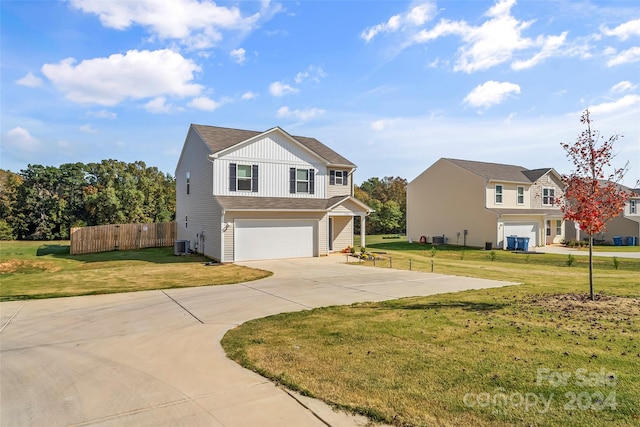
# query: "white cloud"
{"type": "Point", "coordinates": [615, 106]}
{"type": "Point", "coordinates": [281, 89]}
{"type": "Point", "coordinates": [550, 47]}
{"type": "Point", "coordinates": [623, 86]}
{"type": "Point", "coordinates": [88, 129]}
{"type": "Point", "coordinates": [249, 95]}
{"type": "Point", "coordinates": [623, 31]}
{"type": "Point", "coordinates": [238, 55]}
{"type": "Point", "coordinates": [197, 24]}
{"type": "Point", "coordinates": [382, 124]}
{"type": "Point", "coordinates": [416, 16]}
{"type": "Point", "coordinates": [307, 114]}
{"type": "Point", "coordinates": [20, 139]}
{"type": "Point", "coordinates": [103, 114]}
{"type": "Point", "coordinates": [158, 106]}
{"type": "Point", "coordinates": [204, 103]}
{"type": "Point", "coordinates": [312, 72]}
{"type": "Point", "coordinates": [490, 93]}
{"type": "Point", "coordinates": [625, 57]}
{"type": "Point", "coordinates": [30, 80]}
{"type": "Point", "coordinates": [495, 41]}
{"type": "Point", "coordinates": [134, 75]}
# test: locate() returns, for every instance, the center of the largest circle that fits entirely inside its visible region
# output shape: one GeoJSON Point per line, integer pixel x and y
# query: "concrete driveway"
{"type": "Point", "coordinates": [154, 358]}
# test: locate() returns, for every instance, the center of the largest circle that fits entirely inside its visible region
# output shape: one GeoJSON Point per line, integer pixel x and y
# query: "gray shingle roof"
{"type": "Point", "coordinates": [501, 172]}
{"type": "Point", "coordinates": [232, 203]}
{"type": "Point", "coordinates": [243, 203]}
{"type": "Point", "coordinates": [219, 138]}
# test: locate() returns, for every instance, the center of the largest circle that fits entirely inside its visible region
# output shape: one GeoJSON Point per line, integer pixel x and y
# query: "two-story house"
{"type": "Point", "coordinates": [625, 226]}
{"type": "Point", "coordinates": [247, 195]}
{"type": "Point", "coordinates": [474, 203]}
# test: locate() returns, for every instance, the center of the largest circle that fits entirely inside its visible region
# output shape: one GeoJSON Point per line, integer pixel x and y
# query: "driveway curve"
{"type": "Point", "coordinates": [154, 358]}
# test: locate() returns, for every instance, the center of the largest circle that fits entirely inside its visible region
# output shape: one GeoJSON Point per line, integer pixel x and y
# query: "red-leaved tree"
{"type": "Point", "coordinates": [592, 195]}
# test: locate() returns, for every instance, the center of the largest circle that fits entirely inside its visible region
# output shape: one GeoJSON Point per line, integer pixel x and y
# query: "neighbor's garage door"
{"type": "Point", "coordinates": [270, 239]}
{"type": "Point", "coordinates": [522, 229]}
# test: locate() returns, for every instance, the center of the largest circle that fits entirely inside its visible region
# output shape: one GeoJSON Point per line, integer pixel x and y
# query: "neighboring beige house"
{"type": "Point", "coordinates": [626, 225]}
{"type": "Point", "coordinates": [476, 203]}
{"type": "Point", "coordinates": [246, 195]}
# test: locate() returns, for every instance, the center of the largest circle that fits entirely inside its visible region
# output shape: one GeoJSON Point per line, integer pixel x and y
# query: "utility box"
{"type": "Point", "coordinates": [181, 247]}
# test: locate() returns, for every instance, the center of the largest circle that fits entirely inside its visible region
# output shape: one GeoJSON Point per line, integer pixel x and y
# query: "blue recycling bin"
{"type": "Point", "coordinates": [511, 243]}
{"type": "Point", "coordinates": [617, 241]}
{"type": "Point", "coordinates": [523, 244]}
{"type": "Point", "coordinates": [631, 240]}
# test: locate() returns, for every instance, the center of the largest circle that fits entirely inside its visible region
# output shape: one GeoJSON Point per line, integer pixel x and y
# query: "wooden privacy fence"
{"type": "Point", "coordinates": [104, 238]}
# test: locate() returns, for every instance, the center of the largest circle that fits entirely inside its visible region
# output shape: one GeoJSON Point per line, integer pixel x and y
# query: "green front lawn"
{"type": "Point", "coordinates": [535, 354]}
{"type": "Point", "coordinates": [46, 270]}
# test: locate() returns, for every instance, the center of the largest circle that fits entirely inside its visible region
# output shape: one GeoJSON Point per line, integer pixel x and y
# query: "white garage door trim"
{"type": "Point", "coordinates": [522, 229]}
{"type": "Point", "coordinates": [273, 238]}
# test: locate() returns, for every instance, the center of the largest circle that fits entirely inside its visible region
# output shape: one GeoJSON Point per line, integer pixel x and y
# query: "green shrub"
{"type": "Point", "coordinates": [571, 260]}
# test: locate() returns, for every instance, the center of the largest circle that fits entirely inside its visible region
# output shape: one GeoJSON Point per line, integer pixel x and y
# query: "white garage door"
{"type": "Point", "coordinates": [270, 239]}
{"type": "Point", "coordinates": [522, 229]}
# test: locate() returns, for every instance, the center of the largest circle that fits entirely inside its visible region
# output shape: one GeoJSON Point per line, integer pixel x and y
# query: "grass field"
{"type": "Point", "coordinates": [46, 270]}
{"type": "Point", "coordinates": [535, 354]}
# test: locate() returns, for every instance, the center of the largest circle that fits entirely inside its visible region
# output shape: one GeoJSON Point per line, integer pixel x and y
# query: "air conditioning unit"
{"type": "Point", "coordinates": [181, 247]}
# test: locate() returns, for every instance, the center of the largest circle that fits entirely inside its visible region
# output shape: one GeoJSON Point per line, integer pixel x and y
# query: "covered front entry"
{"type": "Point", "coordinates": [522, 229]}
{"type": "Point", "coordinates": [274, 238]}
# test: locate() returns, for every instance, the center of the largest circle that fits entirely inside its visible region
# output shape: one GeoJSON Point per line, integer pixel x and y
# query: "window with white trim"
{"type": "Point", "coordinates": [338, 177]}
{"type": "Point", "coordinates": [548, 227]}
{"type": "Point", "coordinates": [301, 180]}
{"type": "Point", "coordinates": [633, 206]}
{"type": "Point", "coordinates": [548, 196]}
{"type": "Point", "coordinates": [498, 194]}
{"type": "Point", "coordinates": [243, 177]}
{"type": "Point", "coordinates": [558, 227]}
{"type": "Point", "coordinates": [520, 195]}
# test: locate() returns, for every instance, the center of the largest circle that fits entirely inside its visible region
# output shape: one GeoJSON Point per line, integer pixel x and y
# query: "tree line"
{"type": "Point", "coordinates": [43, 202]}
{"type": "Point", "coordinates": [388, 197]}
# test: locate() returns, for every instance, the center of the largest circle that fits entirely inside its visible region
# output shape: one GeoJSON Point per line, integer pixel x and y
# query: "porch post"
{"type": "Point", "coordinates": [362, 231]}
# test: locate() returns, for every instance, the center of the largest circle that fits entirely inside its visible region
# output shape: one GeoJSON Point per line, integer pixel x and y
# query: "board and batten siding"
{"type": "Point", "coordinates": [274, 155]}
{"type": "Point", "coordinates": [198, 216]}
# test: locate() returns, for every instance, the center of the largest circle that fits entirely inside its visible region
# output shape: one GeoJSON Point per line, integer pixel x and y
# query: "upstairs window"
{"type": "Point", "coordinates": [301, 181]}
{"type": "Point", "coordinates": [188, 181]}
{"type": "Point", "coordinates": [633, 206]}
{"type": "Point", "coordinates": [548, 196]}
{"type": "Point", "coordinates": [243, 177]}
{"type": "Point", "coordinates": [498, 194]}
{"type": "Point", "coordinates": [520, 195]}
{"type": "Point", "coordinates": [338, 177]}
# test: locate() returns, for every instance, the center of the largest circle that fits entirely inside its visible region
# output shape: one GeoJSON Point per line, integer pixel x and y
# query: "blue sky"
{"type": "Point", "coordinates": [391, 85]}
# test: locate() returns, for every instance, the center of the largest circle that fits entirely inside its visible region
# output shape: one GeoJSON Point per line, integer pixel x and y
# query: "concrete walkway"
{"type": "Point", "coordinates": [566, 251]}
{"type": "Point", "coordinates": [154, 358]}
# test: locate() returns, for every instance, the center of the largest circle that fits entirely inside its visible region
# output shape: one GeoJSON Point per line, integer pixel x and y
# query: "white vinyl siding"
{"type": "Point", "coordinates": [198, 208]}
{"type": "Point", "coordinates": [342, 232]}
